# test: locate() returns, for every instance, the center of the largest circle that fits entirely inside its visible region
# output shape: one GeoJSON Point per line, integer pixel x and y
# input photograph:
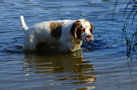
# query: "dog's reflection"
{"type": "Point", "coordinates": [79, 71]}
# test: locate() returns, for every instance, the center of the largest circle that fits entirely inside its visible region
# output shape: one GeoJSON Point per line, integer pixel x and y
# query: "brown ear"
{"type": "Point", "coordinates": [74, 28]}
{"type": "Point", "coordinates": [91, 26]}
{"type": "Point", "coordinates": [91, 29]}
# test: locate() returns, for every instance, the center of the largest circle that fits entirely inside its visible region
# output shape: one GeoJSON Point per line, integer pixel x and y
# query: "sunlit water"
{"type": "Point", "coordinates": [102, 65]}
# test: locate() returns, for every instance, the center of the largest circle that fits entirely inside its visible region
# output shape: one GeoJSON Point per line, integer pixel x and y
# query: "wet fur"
{"type": "Point", "coordinates": [59, 33]}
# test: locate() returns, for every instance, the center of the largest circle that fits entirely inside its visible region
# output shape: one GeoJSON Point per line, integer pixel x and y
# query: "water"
{"type": "Point", "coordinates": [102, 65]}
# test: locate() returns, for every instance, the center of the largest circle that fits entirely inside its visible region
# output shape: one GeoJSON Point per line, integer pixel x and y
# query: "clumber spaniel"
{"type": "Point", "coordinates": [63, 33]}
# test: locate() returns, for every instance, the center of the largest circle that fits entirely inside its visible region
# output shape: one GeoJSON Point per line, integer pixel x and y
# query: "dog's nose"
{"type": "Point", "coordinates": [90, 37]}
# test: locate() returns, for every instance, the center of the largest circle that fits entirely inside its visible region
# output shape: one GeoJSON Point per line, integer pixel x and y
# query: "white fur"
{"type": "Point", "coordinates": [23, 24]}
{"type": "Point", "coordinates": [40, 32]}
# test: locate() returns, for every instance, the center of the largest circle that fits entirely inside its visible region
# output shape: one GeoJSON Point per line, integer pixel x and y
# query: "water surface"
{"type": "Point", "coordinates": [102, 65]}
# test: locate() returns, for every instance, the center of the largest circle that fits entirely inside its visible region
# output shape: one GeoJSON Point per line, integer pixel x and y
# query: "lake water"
{"type": "Point", "coordinates": [102, 65]}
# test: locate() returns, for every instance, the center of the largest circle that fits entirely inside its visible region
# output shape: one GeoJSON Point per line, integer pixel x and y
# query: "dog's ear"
{"type": "Point", "coordinates": [91, 29]}
{"type": "Point", "coordinates": [91, 26]}
{"type": "Point", "coordinates": [74, 29]}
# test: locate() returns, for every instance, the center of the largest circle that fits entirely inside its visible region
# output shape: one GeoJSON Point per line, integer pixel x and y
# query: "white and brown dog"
{"type": "Point", "coordinates": [68, 33]}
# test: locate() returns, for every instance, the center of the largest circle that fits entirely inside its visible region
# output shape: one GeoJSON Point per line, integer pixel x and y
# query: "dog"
{"type": "Point", "coordinates": [63, 33]}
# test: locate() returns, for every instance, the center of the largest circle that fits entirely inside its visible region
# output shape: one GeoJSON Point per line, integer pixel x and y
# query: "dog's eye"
{"type": "Point", "coordinates": [83, 30]}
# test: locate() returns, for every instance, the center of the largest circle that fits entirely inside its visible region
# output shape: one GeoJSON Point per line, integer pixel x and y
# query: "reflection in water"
{"type": "Point", "coordinates": [70, 68]}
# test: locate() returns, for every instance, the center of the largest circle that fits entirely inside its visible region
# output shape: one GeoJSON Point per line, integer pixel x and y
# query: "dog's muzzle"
{"type": "Point", "coordinates": [90, 37]}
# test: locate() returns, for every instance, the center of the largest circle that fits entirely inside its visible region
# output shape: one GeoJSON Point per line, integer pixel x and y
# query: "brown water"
{"type": "Point", "coordinates": [102, 65]}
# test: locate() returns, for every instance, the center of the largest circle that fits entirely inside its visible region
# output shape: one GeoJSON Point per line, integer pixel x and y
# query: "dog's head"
{"type": "Point", "coordinates": [82, 29]}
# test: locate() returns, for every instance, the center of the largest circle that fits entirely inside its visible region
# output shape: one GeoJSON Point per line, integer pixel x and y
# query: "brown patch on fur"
{"type": "Point", "coordinates": [56, 29]}
{"type": "Point", "coordinates": [91, 29]}
{"type": "Point", "coordinates": [76, 29]}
